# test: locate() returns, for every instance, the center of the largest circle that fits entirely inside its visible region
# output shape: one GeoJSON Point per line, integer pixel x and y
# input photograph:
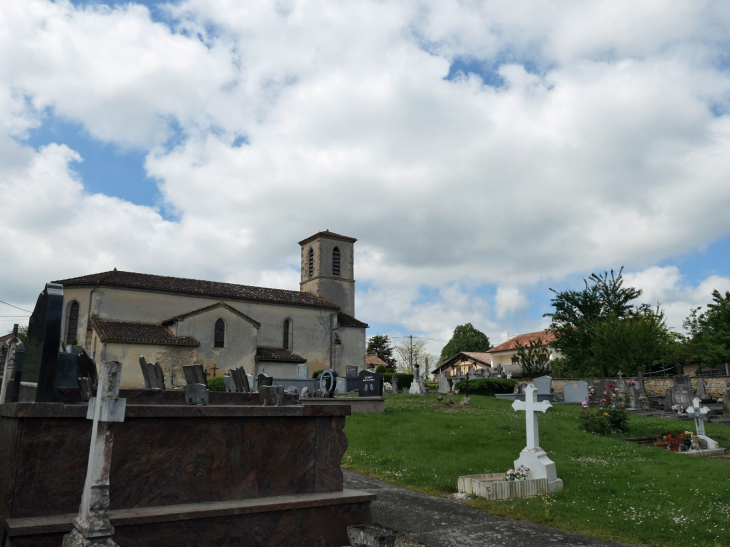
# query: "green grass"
{"type": "Point", "coordinates": [613, 489]}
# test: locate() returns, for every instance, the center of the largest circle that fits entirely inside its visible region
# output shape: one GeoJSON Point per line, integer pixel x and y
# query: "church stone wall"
{"type": "Point", "coordinates": [353, 349]}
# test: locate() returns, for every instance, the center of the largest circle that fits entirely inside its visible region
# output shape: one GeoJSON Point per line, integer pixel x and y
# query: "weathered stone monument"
{"type": "Point", "coordinates": [575, 392]}
{"type": "Point", "coordinates": [702, 391]}
{"type": "Point", "coordinates": [152, 373]}
{"type": "Point", "coordinates": [543, 384]}
{"type": "Point", "coordinates": [699, 413]}
{"type": "Point", "coordinates": [417, 387]}
{"type": "Point", "coordinates": [394, 383]}
{"type": "Point", "coordinates": [444, 384]}
{"type": "Point", "coordinates": [92, 526]}
{"type": "Point", "coordinates": [271, 395]}
{"type": "Point", "coordinates": [681, 394]}
{"type": "Point", "coordinates": [196, 389]}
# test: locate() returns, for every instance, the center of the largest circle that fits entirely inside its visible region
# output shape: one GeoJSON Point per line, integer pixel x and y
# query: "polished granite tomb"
{"type": "Point", "coordinates": [229, 473]}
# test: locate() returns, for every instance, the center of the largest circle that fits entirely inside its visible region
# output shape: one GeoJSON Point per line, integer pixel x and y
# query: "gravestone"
{"type": "Point", "coordinates": [699, 414]}
{"type": "Point", "coordinates": [341, 386]}
{"type": "Point", "coordinates": [642, 399]}
{"type": "Point", "coordinates": [603, 389]}
{"type": "Point", "coordinates": [92, 526]}
{"type": "Point", "coordinates": [327, 383]}
{"type": "Point", "coordinates": [702, 391]}
{"type": "Point", "coordinates": [302, 371]}
{"type": "Point", "coordinates": [543, 384]}
{"type": "Point", "coordinates": [271, 395]}
{"type": "Point", "coordinates": [444, 385]}
{"type": "Point", "coordinates": [196, 389]}
{"type": "Point", "coordinates": [575, 392]}
{"type": "Point", "coordinates": [67, 370]}
{"type": "Point", "coordinates": [370, 384]}
{"type": "Point", "coordinates": [394, 383]}
{"type": "Point", "coordinates": [532, 456]}
{"type": "Point", "coordinates": [241, 381]}
{"type": "Point", "coordinates": [264, 380]}
{"type": "Point", "coordinates": [6, 388]}
{"type": "Point", "coordinates": [87, 368]}
{"type": "Point", "coordinates": [681, 394]}
{"type": "Point", "coordinates": [230, 384]}
{"type": "Point", "coordinates": [351, 372]}
{"type": "Point", "coordinates": [152, 373]}
{"type": "Point", "coordinates": [622, 385]}
{"type": "Point", "coordinates": [416, 385]}
{"type": "Point", "coordinates": [43, 342]}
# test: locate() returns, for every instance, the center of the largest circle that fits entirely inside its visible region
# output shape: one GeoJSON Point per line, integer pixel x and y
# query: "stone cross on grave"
{"type": "Point", "coordinates": [92, 525]}
{"type": "Point", "coordinates": [699, 414]}
{"type": "Point", "coordinates": [531, 408]}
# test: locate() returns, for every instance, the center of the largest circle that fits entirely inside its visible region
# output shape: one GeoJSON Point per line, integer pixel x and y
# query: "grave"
{"type": "Point", "coordinates": [417, 386]}
{"type": "Point", "coordinates": [543, 384]}
{"type": "Point", "coordinates": [302, 371]}
{"type": "Point", "coordinates": [575, 392]}
{"type": "Point", "coordinates": [681, 394]}
{"type": "Point", "coordinates": [152, 373]}
{"type": "Point", "coordinates": [699, 414]}
{"type": "Point", "coordinates": [370, 384]}
{"type": "Point", "coordinates": [351, 374]}
{"type": "Point", "coordinates": [444, 383]}
{"type": "Point", "coordinates": [196, 389]}
{"type": "Point", "coordinates": [542, 475]}
{"type": "Point", "coordinates": [394, 383]}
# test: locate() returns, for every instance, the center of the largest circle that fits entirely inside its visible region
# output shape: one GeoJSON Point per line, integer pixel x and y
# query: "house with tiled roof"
{"type": "Point", "coordinates": [373, 361]}
{"type": "Point", "coordinates": [175, 321]}
{"type": "Point", "coordinates": [464, 362]}
{"type": "Point", "coordinates": [505, 354]}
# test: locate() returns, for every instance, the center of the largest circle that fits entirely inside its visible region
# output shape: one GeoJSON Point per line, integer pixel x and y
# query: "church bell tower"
{"type": "Point", "coordinates": [328, 268]}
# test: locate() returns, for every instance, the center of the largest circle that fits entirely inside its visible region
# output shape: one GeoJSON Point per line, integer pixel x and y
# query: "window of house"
{"type": "Point", "coordinates": [72, 323]}
{"type": "Point", "coordinates": [287, 324]}
{"type": "Point", "coordinates": [220, 334]}
{"type": "Point", "coordinates": [310, 259]}
{"type": "Point", "coordinates": [336, 261]}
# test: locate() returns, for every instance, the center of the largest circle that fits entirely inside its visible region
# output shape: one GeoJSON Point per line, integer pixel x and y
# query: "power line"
{"type": "Point", "coordinates": [16, 307]}
{"type": "Point", "coordinates": [13, 316]}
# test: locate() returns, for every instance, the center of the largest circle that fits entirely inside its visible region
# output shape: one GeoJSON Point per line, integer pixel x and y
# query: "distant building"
{"type": "Point", "coordinates": [122, 315]}
{"type": "Point", "coordinates": [463, 362]}
{"type": "Point", "coordinates": [505, 354]}
{"type": "Point", "coordinates": [373, 361]}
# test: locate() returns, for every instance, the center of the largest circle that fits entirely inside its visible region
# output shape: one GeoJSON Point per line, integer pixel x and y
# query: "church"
{"type": "Point", "coordinates": [120, 316]}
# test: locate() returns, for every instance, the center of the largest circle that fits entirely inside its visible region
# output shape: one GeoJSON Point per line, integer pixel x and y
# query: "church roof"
{"type": "Point", "coordinates": [266, 353]}
{"type": "Point", "coordinates": [184, 316]}
{"type": "Point", "coordinates": [345, 320]}
{"type": "Point", "coordinates": [328, 235]}
{"type": "Point", "coordinates": [546, 336]}
{"type": "Point", "coordinates": [196, 287]}
{"type": "Point", "coordinates": [147, 333]}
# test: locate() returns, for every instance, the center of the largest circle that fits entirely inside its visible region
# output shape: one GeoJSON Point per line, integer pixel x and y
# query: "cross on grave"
{"type": "Point", "coordinates": [214, 369]}
{"type": "Point", "coordinates": [699, 414]}
{"type": "Point", "coordinates": [92, 526]}
{"type": "Point", "coordinates": [531, 407]}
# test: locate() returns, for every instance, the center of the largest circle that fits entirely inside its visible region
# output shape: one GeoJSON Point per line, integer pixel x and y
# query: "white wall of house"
{"type": "Point", "coordinates": [504, 358]}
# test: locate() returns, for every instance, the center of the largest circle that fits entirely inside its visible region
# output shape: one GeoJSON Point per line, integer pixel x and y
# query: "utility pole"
{"type": "Point", "coordinates": [410, 359]}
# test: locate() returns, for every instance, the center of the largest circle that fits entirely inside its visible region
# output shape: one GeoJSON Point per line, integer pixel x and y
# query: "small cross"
{"type": "Point", "coordinates": [531, 408]}
{"type": "Point", "coordinates": [214, 369]}
{"type": "Point", "coordinates": [698, 412]}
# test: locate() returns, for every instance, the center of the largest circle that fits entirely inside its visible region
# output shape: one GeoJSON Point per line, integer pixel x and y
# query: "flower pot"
{"type": "Point", "coordinates": [674, 447]}
{"type": "Point", "coordinates": [660, 444]}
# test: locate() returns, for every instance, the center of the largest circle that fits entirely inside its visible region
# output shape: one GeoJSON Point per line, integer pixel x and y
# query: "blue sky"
{"type": "Point", "coordinates": [480, 154]}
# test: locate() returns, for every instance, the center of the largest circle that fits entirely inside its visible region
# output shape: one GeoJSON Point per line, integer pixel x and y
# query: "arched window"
{"type": "Point", "coordinates": [220, 334]}
{"type": "Point", "coordinates": [287, 327]}
{"type": "Point", "coordinates": [310, 259]}
{"type": "Point", "coordinates": [336, 261]}
{"type": "Point", "coordinates": [72, 322]}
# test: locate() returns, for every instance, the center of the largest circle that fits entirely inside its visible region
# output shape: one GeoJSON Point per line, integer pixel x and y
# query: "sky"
{"type": "Point", "coordinates": [482, 153]}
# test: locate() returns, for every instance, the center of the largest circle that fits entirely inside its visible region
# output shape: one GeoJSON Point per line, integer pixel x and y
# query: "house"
{"type": "Point", "coordinates": [463, 362]}
{"type": "Point", "coordinates": [121, 315]}
{"type": "Point", "coordinates": [373, 361]}
{"type": "Point", "coordinates": [505, 354]}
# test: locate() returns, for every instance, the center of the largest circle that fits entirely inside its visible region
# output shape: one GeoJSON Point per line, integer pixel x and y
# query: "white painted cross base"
{"type": "Point", "coordinates": [537, 461]}
{"type": "Point", "coordinates": [699, 414]}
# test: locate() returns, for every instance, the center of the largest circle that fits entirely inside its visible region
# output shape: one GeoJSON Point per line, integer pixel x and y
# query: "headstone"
{"type": "Point", "coordinates": [152, 373]}
{"type": "Point", "coordinates": [196, 390]}
{"type": "Point", "coordinates": [702, 391]}
{"type": "Point", "coordinates": [416, 384]}
{"type": "Point", "coordinates": [194, 374]}
{"type": "Point", "coordinates": [305, 392]}
{"type": "Point", "coordinates": [67, 370]}
{"type": "Point", "coordinates": [43, 342]}
{"type": "Point", "coordinates": [341, 384]}
{"type": "Point", "coordinates": [241, 380]}
{"type": "Point", "coordinates": [543, 384]}
{"type": "Point", "coordinates": [394, 383]}
{"type": "Point", "coordinates": [271, 395]}
{"type": "Point", "coordinates": [520, 389]}
{"type": "Point", "coordinates": [622, 385]}
{"type": "Point", "coordinates": [532, 456]}
{"type": "Point", "coordinates": [9, 367]}
{"type": "Point", "coordinates": [302, 371]}
{"type": "Point", "coordinates": [351, 373]}
{"type": "Point", "coordinates": [160, 376]}
{"type": "Point", "coordinates": [699, 413]}
{"type": "Point", "coordinates": [92, 526]}
{"type": "Point", "coordinates": [575, 392]}
{"type": "Point", "coordinates": [264, 380]}
{"type": "Point", "coordinates": [444, 385]}
{"type": "Point", "coordinates": [327, 383]}
{"type": "Point", "coordinates": [87, 368]}
{"type": "Point", "coordinates": [230, 384]}
{"type": "Point", "coordinates": [370, 384]}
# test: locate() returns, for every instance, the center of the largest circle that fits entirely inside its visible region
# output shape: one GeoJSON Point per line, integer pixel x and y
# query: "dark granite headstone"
{"type": "Point", "coordinates": [153, 377]}
{"type": "Point", "coordinates": [87, 368]}
{"type": "Point", "coordinates": [351, 378]}
{"type": "Point", "coordinates": [370, 384]}
{"type": "Point", "coordinates": [43, 342]}
{"type": "Point", "coordinates": [327, 383]}
{"type": "Point", "coordinates": [194, 374]}
{"type": "Point", "coordinates": [264, 380]}
{"type": "Point", "coordinates": [67, 370]}
{"type": "Point", "coordinates": [271, 395]}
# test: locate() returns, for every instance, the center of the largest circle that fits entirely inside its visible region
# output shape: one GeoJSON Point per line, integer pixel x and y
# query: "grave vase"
{"type": "Point", "coordinates": [674, 447]}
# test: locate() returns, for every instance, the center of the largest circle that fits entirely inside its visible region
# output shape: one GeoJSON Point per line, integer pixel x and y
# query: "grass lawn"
{"type": "Point", "coordinates": [612, 489]}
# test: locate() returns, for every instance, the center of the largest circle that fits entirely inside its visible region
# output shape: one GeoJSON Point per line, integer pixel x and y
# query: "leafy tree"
{"type": "Point", "coordinates": [380, 346]}
{"type": "Point", "coordinates": [465, 338]}
{"type": "Point", "coordinates": [534, 358]}
{"type": "Point", "coordinates": [411, 355]}
{"type": "Point", "coordinates": [23, 334]}
{"type": "Point", "coordinates": [707, 343]}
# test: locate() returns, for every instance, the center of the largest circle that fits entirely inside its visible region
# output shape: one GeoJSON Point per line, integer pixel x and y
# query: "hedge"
{"type": "Point", "coordinates": [404, 380]}
{"type": "Point", "coordinates": [216, 384]}
{"type": "Point", "coordinates": [487, 386]}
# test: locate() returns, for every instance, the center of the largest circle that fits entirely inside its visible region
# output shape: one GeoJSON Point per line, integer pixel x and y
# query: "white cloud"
{"type": "Point", "coordinates": [608, 152]}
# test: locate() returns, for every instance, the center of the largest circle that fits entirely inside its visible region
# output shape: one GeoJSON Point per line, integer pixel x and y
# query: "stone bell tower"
{"type": "Point", "coordinates": [328, 268]}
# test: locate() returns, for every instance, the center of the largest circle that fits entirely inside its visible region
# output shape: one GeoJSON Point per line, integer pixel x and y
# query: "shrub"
{"type": "Point", "coordinates": [605, 413]}
{"type": "Point", "coordinates": [316, 373]}
{"type": "Point", "coordinates": [404, 380]}
{"type": "Point", "coordinates": [487, 386]}
{"type": "Point", "coordinates": [216, 384]}
{"type": "Point", "coordinates": [381, 368]}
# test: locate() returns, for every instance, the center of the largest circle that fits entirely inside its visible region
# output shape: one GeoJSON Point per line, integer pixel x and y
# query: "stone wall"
{"type": "Point", "coordinates": [716, 385]}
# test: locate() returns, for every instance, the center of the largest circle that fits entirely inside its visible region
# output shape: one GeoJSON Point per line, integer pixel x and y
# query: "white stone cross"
{"type": "Point", "coordinates": [698, 412]}
{"type": "Point", "coordinates": [531, 408]}
{"type": "Point", "coordinates": [92, 525]}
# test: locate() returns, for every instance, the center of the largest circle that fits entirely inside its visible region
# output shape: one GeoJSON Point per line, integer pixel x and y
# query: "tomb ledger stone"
{"type": "Point", "coordinates": [43, 342]}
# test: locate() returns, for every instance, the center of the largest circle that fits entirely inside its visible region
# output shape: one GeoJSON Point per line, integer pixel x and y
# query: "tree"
{"type": "Point", "coordinates": [534, 358]}
{"type": "Point", "coordinates": [380, 346]}
{"type": "Point", "coordinates": [465, 338]}
{"type": "Point", "coordinates": [410, 354]}
{"type": "Point", "coordinates": [707, 343]}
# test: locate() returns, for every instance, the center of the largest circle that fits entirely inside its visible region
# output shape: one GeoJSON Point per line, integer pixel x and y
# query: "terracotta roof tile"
{"type": "Point", "coordinates": [524, 339]}
{"type": "Point", "coordinates": [375, 361]}
{"type": "Point", "coordinates": [481, 357]}
{"type": "Point", "coordinates": [345, 320]}
{"type": "Point", "coordinates": [150, 333]}
{"type": "Point", "coordinates": [210, 289]}
{"type": "Point", "coordinates": [184, 316]}
{"type": "Point", "coordinates": [329, 235]}
{"type": "Point", "coordinates": [266, 353]}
